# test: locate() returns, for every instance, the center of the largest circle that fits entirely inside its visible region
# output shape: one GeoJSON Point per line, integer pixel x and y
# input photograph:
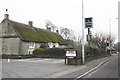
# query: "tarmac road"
{"type": "Point", "coordinates": [55, 68]}
{"type": "Point", "coordinates": [108, 70]}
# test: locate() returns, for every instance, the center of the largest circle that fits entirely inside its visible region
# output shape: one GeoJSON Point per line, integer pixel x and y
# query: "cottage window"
{"type": "Point", "coordinates": [31, 44]}
{"type": "Point", "coordinates": [50, 44]}
{"type": "Point", "coordinates": [30, 51]}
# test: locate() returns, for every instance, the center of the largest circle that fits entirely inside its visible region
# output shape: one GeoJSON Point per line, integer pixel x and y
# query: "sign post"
{"type": "Point", "coordinates": [71, 57]}
{"type": "Point", "coordinates": [89, 24]}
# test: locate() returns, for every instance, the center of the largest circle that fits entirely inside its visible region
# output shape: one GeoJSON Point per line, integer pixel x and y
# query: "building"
{"type": "Point", "coordinates": [19, 38]}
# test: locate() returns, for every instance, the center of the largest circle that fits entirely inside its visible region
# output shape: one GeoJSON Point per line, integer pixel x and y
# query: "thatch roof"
{"type": "Point", "coordinates": [28, 33]}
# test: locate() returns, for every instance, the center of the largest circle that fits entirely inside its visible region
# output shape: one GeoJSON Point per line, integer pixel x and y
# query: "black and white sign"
{"type": "Point", "coordinates": [89, 22]}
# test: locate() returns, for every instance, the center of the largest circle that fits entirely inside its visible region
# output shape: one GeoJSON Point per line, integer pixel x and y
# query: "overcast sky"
{"type": "Point", "coordinates": [64, 13]}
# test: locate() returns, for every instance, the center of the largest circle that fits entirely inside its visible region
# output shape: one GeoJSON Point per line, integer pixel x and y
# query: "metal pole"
{"type": "Point", "coordinates": [110, 35]}
{"type": "Point", "coordinates": [83, 57]}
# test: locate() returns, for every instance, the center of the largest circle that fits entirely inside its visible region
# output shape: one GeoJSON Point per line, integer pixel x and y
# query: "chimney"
{"type": "Point", "coordinates": [6, 16]}
{"type": "Point", "coordinates": [57, 31]}
{"type": "Point", "coordinates": [30, 23]}
{"type": "Point", "coordinates": [49, 29]}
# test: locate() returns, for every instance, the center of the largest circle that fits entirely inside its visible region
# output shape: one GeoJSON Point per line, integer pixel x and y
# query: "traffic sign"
{"type": "Point", "coordinates": [89, 22]}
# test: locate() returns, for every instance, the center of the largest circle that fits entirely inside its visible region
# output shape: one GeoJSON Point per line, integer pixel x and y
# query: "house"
{"type": "Point", "coordinates": [19, 38]}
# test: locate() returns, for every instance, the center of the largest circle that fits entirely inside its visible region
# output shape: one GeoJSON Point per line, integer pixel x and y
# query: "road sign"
{"type": "Point", "coordinates": [89, 22]}
{"type": "Point", "coordinates": [71, 53]}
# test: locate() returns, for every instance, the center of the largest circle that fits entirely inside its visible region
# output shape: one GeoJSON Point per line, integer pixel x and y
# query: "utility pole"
{"type": "Point", "coordinates": [110, 44]}
{"type": "Point", "coordinates": [110, 35]}
{"type": "Point", "coordinates": [83, 41]}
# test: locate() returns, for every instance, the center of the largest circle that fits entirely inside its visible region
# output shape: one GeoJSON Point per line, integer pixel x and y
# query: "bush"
{"type": "Point", "coordinates": [95, 52]}
{"type": "Point", "coordinates": [13, 56]}
{"type": "Point", "coordinates": [37, 51]}
{"type": "Point", "coordinates": [50, 53]}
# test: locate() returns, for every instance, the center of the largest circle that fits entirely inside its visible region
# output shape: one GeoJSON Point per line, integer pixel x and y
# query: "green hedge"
{"type": "Point", "coordinates": [13, 56]}
{"type": "Point", "coordinates": [50, 53]}
{"type": "Point", "coordinates": [95, 53]}
{"type": "Point", "coordinates": [59, 53]}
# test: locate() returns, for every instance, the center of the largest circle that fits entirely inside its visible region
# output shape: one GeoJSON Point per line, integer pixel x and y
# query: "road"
{"type": "Point", "coordinates": [108, 70]}
{"type": "Point", "coordinates": [31, 68]}
{"type": "Point", "coordinates": [55, 68]}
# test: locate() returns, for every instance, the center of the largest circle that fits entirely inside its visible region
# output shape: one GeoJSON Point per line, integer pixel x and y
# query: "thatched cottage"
{"type": "Point", "coordinates": [19, 38]}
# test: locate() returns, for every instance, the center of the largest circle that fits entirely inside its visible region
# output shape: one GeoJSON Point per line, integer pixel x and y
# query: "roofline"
{"type": "Point", "coordinates": [41, 42]}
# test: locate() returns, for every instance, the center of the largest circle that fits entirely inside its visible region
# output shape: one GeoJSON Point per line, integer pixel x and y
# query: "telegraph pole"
{"type": "Point", "coordinates": [110, 35]}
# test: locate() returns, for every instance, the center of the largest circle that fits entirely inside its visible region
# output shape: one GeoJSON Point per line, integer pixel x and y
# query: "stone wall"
{"type": "Point", "coordinates": [7, 29]}
{"type": "Point", "coordinates": [0, 39]}
{"type": "Point", "coordinates": [24, 47]}
{"type": "Point", "coordinates": [0, 45]}
{"type": "Point", "coordinates": [11, 46]}
{"type": "Point", "coordinates": [9, 40]}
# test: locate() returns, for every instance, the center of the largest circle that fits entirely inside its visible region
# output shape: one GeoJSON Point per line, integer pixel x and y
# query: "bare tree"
{"type": "Point", "coordinates": [49, 24]}
{"type": "Point", "coordinates": [101, 40]}
{"type": "Point", "coordinates": [79, 40]}
{"type": "Point", "coordinates": [65, 33]}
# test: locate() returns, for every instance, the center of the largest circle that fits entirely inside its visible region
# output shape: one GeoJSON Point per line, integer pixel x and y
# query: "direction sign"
{"type": "Point", "coordinates": [89, 22]}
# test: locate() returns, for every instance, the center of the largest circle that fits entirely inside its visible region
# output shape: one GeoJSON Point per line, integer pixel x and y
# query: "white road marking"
{"type": "Point", "coordinates": [89, 71]}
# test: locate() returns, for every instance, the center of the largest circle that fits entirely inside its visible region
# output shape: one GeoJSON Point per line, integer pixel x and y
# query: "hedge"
{"type": "Point", "coordinates": [50, 53]}
{"type": "Point", "coordinates": [59, 53]}
{"type": "Point", "coordinates": [13, 56]}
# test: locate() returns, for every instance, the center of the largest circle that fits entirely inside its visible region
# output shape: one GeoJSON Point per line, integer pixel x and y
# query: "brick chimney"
{"type": "Point", "coordinates": [30, 23]}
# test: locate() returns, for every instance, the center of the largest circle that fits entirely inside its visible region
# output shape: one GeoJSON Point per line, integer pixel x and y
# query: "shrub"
{"type": "Point", "coordinates": [15, 56]}
{"type": "Point", "coordinates": [50, 53]}
{"type": "Point", "coordinates": [37, 51]}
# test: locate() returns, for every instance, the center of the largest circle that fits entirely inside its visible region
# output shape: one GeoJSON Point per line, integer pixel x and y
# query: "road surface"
{"type": "Point", "coordinates": [55, 68]}
{"type": "Point", "coordinates": [107, 70]}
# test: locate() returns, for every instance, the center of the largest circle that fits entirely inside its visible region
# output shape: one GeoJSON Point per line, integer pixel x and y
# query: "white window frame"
{"type": "Point", "coordinates": [30, 51]}
{"type": "Point", "coordinates": [31, 44]}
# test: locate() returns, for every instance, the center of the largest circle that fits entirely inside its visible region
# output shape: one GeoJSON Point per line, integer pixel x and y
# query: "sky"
{"type": "Point", "coordinates": [64, 13]}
